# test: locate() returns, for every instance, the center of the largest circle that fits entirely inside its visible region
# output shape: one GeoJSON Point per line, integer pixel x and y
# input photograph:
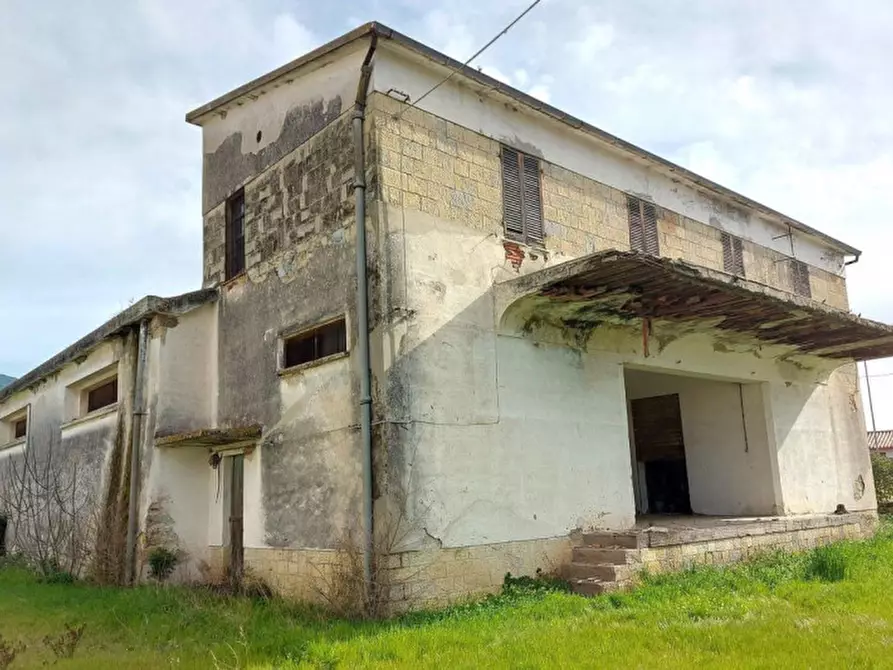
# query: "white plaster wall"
{"type": "Point", "coordinates": [513, 436]}
{"type": "Point", "coordinates": [335, 75]}
{"type": "Point", "coordinates": [822, 447]}
{"type": "Point", "coordinates": [729, 470]}
{"type": "Point", "coordinates": [186, 360]}
{"type": "Point", "coordinates": [505, 439]}
{"type": "Point", "coordinates": [503, 120]}
{"type": "Point", "coordinates": [182, 390]}
{"type": "Point", "coordinates": [179, 486]}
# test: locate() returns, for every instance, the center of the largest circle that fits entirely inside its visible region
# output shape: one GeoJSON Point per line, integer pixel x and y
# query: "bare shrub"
{"type": "Point", "coordinates": [50, 514]}
{"type": "Point", "coordinates": [66, 643]}
{"type": "Point", "coordinates": [341, 582]}
{"type": "Point", "coordinates": [9, 651]}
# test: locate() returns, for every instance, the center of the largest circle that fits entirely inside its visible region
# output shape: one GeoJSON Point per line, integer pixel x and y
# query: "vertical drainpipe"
{"type": "Point", "coordinates": [138, 413]}
{"type": "Point", "coordinates": [359, 116]}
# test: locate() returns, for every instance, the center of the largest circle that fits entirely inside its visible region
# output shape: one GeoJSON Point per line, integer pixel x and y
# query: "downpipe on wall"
{"type": "Point", "coordinates": [358, 119]}
{"type": "Point", "coordinates": [138, 413]}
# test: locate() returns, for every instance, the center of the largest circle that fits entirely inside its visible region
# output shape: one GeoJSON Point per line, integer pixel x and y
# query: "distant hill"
{"type": "Point", "coordinates": [6, 379]}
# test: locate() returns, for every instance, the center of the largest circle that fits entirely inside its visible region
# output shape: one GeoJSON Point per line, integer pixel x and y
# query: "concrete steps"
{"type": "Point", "coordinates": [604, 563]}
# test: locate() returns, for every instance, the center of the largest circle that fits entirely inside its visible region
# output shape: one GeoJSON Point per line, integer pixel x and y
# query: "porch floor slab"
{"type": "Point", "coordinates": [668, 530]}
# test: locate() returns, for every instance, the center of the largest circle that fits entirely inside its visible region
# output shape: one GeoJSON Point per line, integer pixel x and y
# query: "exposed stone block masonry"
{"type": "Point", "coordinates": [308, 191]}
{"type": "Point", "coordinates": [429, 164]}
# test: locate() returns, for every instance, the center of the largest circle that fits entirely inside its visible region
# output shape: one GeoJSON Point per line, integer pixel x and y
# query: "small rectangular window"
{"type": "Point", "coordinates": [522, 196]}
{"type": "Point", "coordinates": [315, 344]}
{"type": "Point", "coordinates": [800, 278]}
{"type": "Point", "coordinates": [732, 255]}
{"type": "Point", "coordinates": [20, 428]}
{"type": "Point", "coordinates": [235, 234]}
{"type": "Point", "coordinates": [642, 226]}
{"type": "Point", "coordinates": [103, 396]}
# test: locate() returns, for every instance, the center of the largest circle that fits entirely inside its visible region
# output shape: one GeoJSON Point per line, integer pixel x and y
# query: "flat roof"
{"type": "Point", "coordinates": [384, 32]}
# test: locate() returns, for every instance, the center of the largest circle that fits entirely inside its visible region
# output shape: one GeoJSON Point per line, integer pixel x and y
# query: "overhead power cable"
{"type": "Point", "coordinates": [475, 55]}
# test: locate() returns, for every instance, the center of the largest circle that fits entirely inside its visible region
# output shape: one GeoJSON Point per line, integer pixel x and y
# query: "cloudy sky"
{"type": "Point", "coordinates": [788, 102]}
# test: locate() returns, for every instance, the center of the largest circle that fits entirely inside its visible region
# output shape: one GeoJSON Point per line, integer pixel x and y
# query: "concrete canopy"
{"type": "Point", "coordinates": [627, 285]}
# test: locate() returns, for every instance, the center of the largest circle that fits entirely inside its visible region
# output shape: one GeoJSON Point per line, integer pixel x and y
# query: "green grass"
{"type": "Point", "coordinates": [830, 608]}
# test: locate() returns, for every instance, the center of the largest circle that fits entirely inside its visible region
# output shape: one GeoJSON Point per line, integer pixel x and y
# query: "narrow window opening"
{"type": "Point", "coordinates": [103, 396]}
{"type": "Point", "coordinates": [522, 196]}
{"type": "Point", "coordinates": [315, 344]}
{"type": "Point", "coordinates": [20, 428]}
{"type": "Point", "coordinates": [733, 254]}
{"type": "Point", "coordinates": [642, 217]}
{"type": "Point", "coordinates": [235, 234]}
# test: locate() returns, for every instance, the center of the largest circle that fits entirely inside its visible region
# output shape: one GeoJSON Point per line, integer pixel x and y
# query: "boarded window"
{"type": "Point", "coordinates": [235, 234]}
{"type": "Point", "coordinates": [522, 196]}
{"type": "Point", "coordinates": [20, 428]}
{"type": "Point", "coordinates": [800, 278]}
{"type": "Point", "coordinates": [732, 254]}
{"type": "Point", "coordinates": [642, 226]}
{"type": "Point", "coordinates": [103, 396]}
{"type": "Point", "coordinates": [315, 344]}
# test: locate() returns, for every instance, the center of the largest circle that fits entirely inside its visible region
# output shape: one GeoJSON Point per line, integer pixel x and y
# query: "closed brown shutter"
{"type": "Point", "coordinates": [511, 192]}
{"type": "Point", "coordinates": [636, 232]}
{"type": "Point", "coordinates": [800, 278]}
{"type": "Point", "coordinates": [642, 226]}
{"type": "Point", "coordinates": [732, 254]}
{"type": "Point", "coordinates": [649, 224]}
{"type": "Point", "coordinates": [533, 201]}
{"type": "Point", "coordinates": [657, 428]}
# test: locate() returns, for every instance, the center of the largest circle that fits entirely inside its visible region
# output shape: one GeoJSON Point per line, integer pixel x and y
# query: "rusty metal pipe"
{"type": "Point", "coordinates": [365, 370]}
{"type": "Point", "coordinates": [138, 412]}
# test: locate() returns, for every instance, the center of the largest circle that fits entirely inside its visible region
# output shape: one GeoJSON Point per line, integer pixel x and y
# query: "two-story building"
{"type": "Point", "coordinates": [444, 317]}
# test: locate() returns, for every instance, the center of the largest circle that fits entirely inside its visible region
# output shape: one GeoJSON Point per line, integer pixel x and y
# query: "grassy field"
{"type": "Point", "coordinates": [832, 608]}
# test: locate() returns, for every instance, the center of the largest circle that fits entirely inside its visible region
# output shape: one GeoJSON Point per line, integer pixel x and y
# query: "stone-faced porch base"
{"type": "Point", "coordinates": [657, 544]}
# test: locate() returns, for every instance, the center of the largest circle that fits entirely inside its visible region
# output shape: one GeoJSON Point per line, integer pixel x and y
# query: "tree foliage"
{"type": "Point", "coordinates": [883, 477]}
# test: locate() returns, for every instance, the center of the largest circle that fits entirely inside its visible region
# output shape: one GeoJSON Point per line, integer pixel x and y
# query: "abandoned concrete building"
{"type": "Point", "coordinates": [469, 334]}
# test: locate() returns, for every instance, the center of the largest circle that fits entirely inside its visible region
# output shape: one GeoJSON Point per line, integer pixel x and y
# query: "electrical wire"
{"type": "Point", "coordinates": [475, 55]}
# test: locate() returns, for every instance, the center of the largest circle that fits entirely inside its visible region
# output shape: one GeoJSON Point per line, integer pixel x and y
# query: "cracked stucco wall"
{"type": "Point", "coordinates": [91, 449]}
{"type": "Point", "coordinates": [497, 435]}
{"type": "Point", "coordinates": [292, 151]}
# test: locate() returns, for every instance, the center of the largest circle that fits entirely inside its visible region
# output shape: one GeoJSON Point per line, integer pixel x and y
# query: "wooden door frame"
{"type": "Point", "coordinates": [236, 519]}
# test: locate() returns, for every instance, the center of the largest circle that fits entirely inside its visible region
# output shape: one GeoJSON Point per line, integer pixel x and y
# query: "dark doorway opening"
{"type": "Point", "coordinates": [660, 453]}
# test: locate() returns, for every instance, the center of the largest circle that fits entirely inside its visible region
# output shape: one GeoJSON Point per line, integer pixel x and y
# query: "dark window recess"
{"type": "Point", "coordinates": [642, 226]}
{"type": "Point", "coordinates": [103, 396]}
{"type": "Point", "coordinates": [800, 278]}
{"type": "Point", "coordinates": [522, 196]}
{"type": "Point", "coordinates": [315, 344]}
{"type": "Point", "coordinates": [732, 254]}
{"type": "Point", "coordinates": [20, 428]}
{"type": "Point", "coordinates": [235, 234]}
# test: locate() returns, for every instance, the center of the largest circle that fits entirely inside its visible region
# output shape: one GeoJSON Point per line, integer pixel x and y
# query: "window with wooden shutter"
{"type": "Point", "coordinates": [800, 278]}
{"type": "Point", "coordinates": [235, 234]}
{"type": "Point", "coordinates": [642, 226]}
{"type": "Point", "coordinates": [733, 254]}
{"type": "Point", "coordinates": [522, 199]}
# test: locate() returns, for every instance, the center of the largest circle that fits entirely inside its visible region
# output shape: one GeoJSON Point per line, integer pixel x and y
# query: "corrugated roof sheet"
{"type": "Point", "coordinates": [879, 440]}
{"type": "Point", "coordinates": [630, 284]}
